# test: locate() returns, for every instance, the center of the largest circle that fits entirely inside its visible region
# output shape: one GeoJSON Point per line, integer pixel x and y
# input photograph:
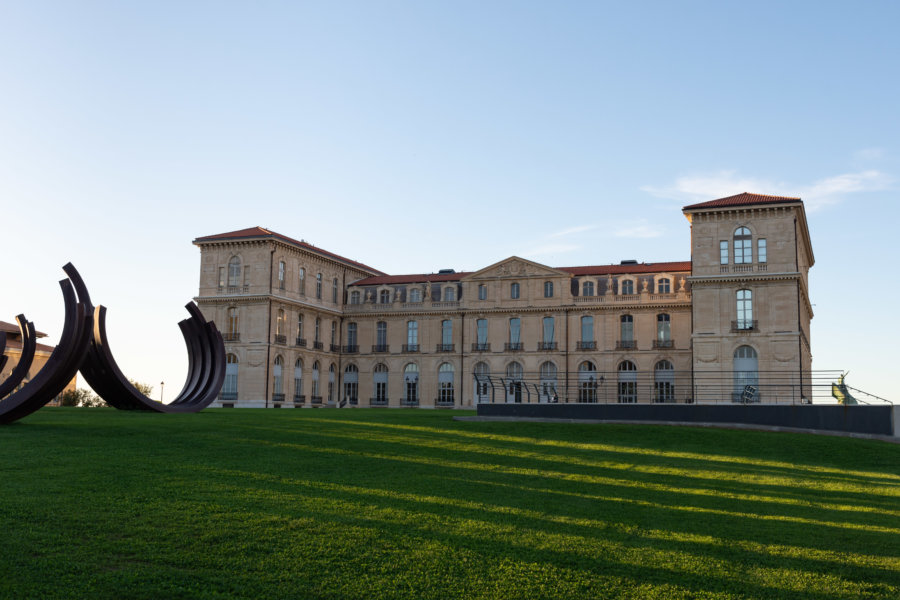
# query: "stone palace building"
{"type": "Point", "coordinates": [305, 327]}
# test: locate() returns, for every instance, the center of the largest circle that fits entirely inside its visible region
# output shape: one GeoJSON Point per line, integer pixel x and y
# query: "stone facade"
{"type": "Point", "coordinates": [13, 352]}
{"type": "Point", "coordinates": [305, 327]}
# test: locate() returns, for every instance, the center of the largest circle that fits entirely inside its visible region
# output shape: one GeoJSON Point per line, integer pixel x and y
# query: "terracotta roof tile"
{"type": "Point", "coordinates": [260, 232]}
{"type": "Point", "coordinates": [743, 199]}
{"type": "Point", "coordinates": [660, 267]}
{"type": "Point", "coordinates": [404, 279]}
{"type": "Point", "coordinates": [14, 328]}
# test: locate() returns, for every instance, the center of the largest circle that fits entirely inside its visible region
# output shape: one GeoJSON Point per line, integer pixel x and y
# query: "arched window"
{"type": "Point", "coordinates": [354, 297]}
{"type": "Point", "coordinates": [664, 382]}
{"type": "Point", "coordinates": [278, 387]}
{"type": "Point", "coordinates": [514, 290]}
{"type": "Point", "coordinates": [548, 383]}
{"type": "Point", "coordinates": [411, 380]}
{"type": "Point", "coordinates": [663, 286]}
{"type": "Point", "coordinates": [548, 289]}
{"type": "Point", "coordinates": [318, 286]}
{"type": "Point", "coordinates": [743, 246]}
{"type": "Point", "coordinates": [415, 295]}
{"type": "Point", "coordinates": [587, 382]}
{"type": "Point", "coordinates": [384, 296]}
{"type": "Point", "coordinates": [351, 384]}
{"type": "Point", "coordinates": [302, 281]}
{"type": "Point", "coordinates": [744, 309]}
{"type": "Point", "coordinates": [232, 330]}
{"type": "Point", "coordinates": [334, 290]}
{"type": "Point", "coordinates": [315, 383]}
{"type": "Point", "coordinates": [381, 336]}
{"type": "Point", "coordinates": [746, 375]}
{"type": "Point", "coordinates": [331, 378]}
{"type": "Point", "coordinates": [587, 288]}
{"type": "Point", "coordinates": [380, 381]}
{"type": "Point", "coordinates": [626, 331]}
{"type": "Point", "coordinates": [627, 287]}
{"type": "Point", "coordinates": [445, 383]}
{"type": "Point", "coordinates": [298, 382]}
{"type": "Point", "coordinates": [449, 294]}
{"type": "Point", "coordinates": [281, 270]}
{"type": "Point", "coordinates": [627, 382]}
{"type": "Point", "coordinates": [663, 331]}
{"type": "Point", "coordinates": [230, 387]}
{"type": "Point", "coordinates": [482, 385]}
{"type": "Point", "coordinates": [514, 374]}
{"type": "Point", "coordinates": [234, 272]}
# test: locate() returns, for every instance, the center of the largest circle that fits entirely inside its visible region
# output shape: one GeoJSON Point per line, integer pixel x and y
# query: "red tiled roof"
{"type": "Point", "coordinates": [660, 267]}
{"type": "Point", "coordinates": [17, 345]}
{"type": "Point", "coordinates": [259, 232]}
{"type": "Point", "coordinates": [14, 328]}
{"type": "Point", "coordinates": [742, 200]}
{"type": "Point", "coordinates": [403, 279]}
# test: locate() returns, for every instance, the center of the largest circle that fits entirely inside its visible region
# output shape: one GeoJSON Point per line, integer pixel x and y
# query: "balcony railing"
{"type": "Point", "coordinates": [318, 345]}
{"type": "Point", "coordinates": [231, 337]}
{"type": "Point", "coordinates": [409, 402]}
{"type": "Point", "coordinates": [634, 298]}
{"type": "Point", "coordinates": [586, 345]}
{"type": "Point", "coordinates": [316, 400]}
{"type": "Point", "coordinates": [513, 346]}
{"type": "Point", "coordinates": [351, 349]}
{"type": "Point", "coordinates": [445, 402]}
{"type": "Point", "coordinates": [481, 347]}
{"type": "Point", "coordinates": [299, 399]}
{"type": "Point", "coordinates": [743, 268]}
{"type": "Point", "coordinates": [378, 348]}
{"type": "Point", "coordinates": [626, 344]}
{"type": "Point", "coordinates": [334, 347]}
{"type": "Point", "coordinates": [410, 347]}
{"type": "Point", "coordinates": [277, 397]}
{"type": "Point", "coordinates": [762, 267]}
{"type": "Point", "coordinates": [444, 348]}
{"type": "Point", "coordinates": [233, 289]}
{"type": "Point", "coordinates": [660, 344]}
{"type": "Point", "coordinates": [301, 342]}
{"type": "Point", "coordinates": [744, 325]}
{"type": "Point", "coordinates": [228, 396]}
{"type": "Point", "coordinates": [546, 346]}
{"type": "Point", "coordinates": [378, 401]}
{"type": "Point", "coordinates": [281, 339]}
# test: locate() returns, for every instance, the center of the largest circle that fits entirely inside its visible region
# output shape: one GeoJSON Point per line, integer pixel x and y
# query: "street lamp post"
{"type": "Point", "coordinates": [162, 389]}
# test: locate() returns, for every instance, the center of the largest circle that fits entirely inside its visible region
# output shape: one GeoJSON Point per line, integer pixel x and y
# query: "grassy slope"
{"type": "Point", "coordinates": [389, 503]}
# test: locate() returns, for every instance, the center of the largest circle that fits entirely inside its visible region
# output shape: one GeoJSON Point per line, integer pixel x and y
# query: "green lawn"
{"type": "Point", "coordinates": [98, 503]}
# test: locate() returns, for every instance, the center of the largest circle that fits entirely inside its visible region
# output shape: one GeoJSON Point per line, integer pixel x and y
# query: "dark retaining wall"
{"type": "Point", "coordinates": [855, 419]}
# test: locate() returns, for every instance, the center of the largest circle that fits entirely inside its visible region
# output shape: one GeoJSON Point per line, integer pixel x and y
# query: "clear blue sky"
{"type": "Point", "coordinates": [415, 136]}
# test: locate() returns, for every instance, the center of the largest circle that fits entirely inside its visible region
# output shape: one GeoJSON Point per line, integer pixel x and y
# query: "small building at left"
{"type": "Point", "coordinates": [13, 351]}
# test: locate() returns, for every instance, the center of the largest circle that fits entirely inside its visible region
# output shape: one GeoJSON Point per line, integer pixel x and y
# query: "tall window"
{"type": "Point", "coordinates": [548, 383]}
{"type": "Point", "coordinates": [281, 275]}
{"type": "Point", "coordinates": [351, 384]}
{"type": "Point", "coordinates": [415, 295]}
{"type": "Point", "coordinates": [318, 286]}
{"type": "Point", "coordinates": [446, 333]}
{"type": "Point", "coordinates": [482, 291]}
{"type": "Point", "coordinates": [232, 328]}
{"type": "Point", "coordinates": [278, 388]}
{"type": "Point", "coordinates": [449, 294]}
{"type": "Point", "coordinates": [723, 252]}
{"type": "Point", "coordinates": [627, 287]}
{"type": "Point", "coordinates": [384, 296]}
{"type": "Point", "coordinates": [351, 335]}
{"type": "Point", "coordinates": [587, 382]}
{"type": "Point", "coordinates": [302, 281]}
{"type": "Point", "coordinates": [514, 290]}
{"type": "Point", "coordinates": [354, 297]}
{"type": "Point", "coordinates": [380, 379]}
{"type": "Point", "coordinates": [743, 246]}
{"type": "Point", "coordinates": [331, 379]}
{"type": "Point", "coordinates": [315, 380]}
{"type": "Point", "coordinates": [626, 326]}
{"type": "Point", "coordinates": [587, 329]}
{"type": "Point", "coordinates": [482, 386]}
{"type": "Point", "coordinates": [627, 382]}
{"type": "Point", "coordinates": [334, 290]}
{"type": "Point", "coordinates": [333, 333]}
{"type": "Point", "coordinates": [445, 383]}
{"type": "Point", "coordinates": [548, 289]}
{"type": "Point", "coordinates": [744, 309]}
{"type": "Point", "coordinates": [412, 333]}
{"type": "Point", "coordinates": [318, 337]}
{"type": "Point", "coordinates": [234, 271]}
{"type": "Point", "coordinates": [411, 379]}
{"type": "Point", "coordinates": [746, 375]}
{"type": "Point", "coordinates": [664, 382]}
{"type": "Point", "coordinates": [230, 387]}
{"type": "Point", "coordinates": [548, 329]}
{"type": "Point", "coordinates": [587, 288]}
{"type": "Point", "coordinates": [515, 331]}
{"type": "Point", "coordinates": [663, 286]}
{"type": "Point", "coordinates": [481, 331]}
{"type": "Point", "coordinates": [279, 323]}
{"type": "Point", "coordinates": [221, 276]}
{"type": "Point", "coordinates": [761, 250]}
{"type": "Point", "coordinates": [663, 328]}
{"type": "Point", "coordinates": [514, 374]}
{"type": "Point", "coordinates": [298, 379]}
{"type": "Point", "coordinates": [381, 334]}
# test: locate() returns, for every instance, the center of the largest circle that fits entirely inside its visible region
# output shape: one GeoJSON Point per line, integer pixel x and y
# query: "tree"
{"type": "Point", "coordinates": [143, 388]}
{"type": "Point", "coordinates": [79, 397]}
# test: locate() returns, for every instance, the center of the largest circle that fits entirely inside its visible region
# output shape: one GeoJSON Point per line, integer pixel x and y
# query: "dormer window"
{"type": "Point", "coordinates": [449, 294]}
{"type": "Point", "coordinates": [627, 287]}
{"type": "Point", "coordinates": [663, 286]}
{"type": "Point", "coordinates": [384, 296]}
{"type": "Point", "coordinates": [415, 295]}
{"type": "Point", "coordinates": [354, 297]}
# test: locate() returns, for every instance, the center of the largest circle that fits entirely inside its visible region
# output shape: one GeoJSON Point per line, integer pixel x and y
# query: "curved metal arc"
{"type": "Point", "coordinates": [29, 345]}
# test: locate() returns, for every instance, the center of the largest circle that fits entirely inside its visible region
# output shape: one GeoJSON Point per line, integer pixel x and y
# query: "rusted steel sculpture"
{"type": "Point", "coordinates": [84, 345]}
{"type": "Point", "coordinates": [29, 345]}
